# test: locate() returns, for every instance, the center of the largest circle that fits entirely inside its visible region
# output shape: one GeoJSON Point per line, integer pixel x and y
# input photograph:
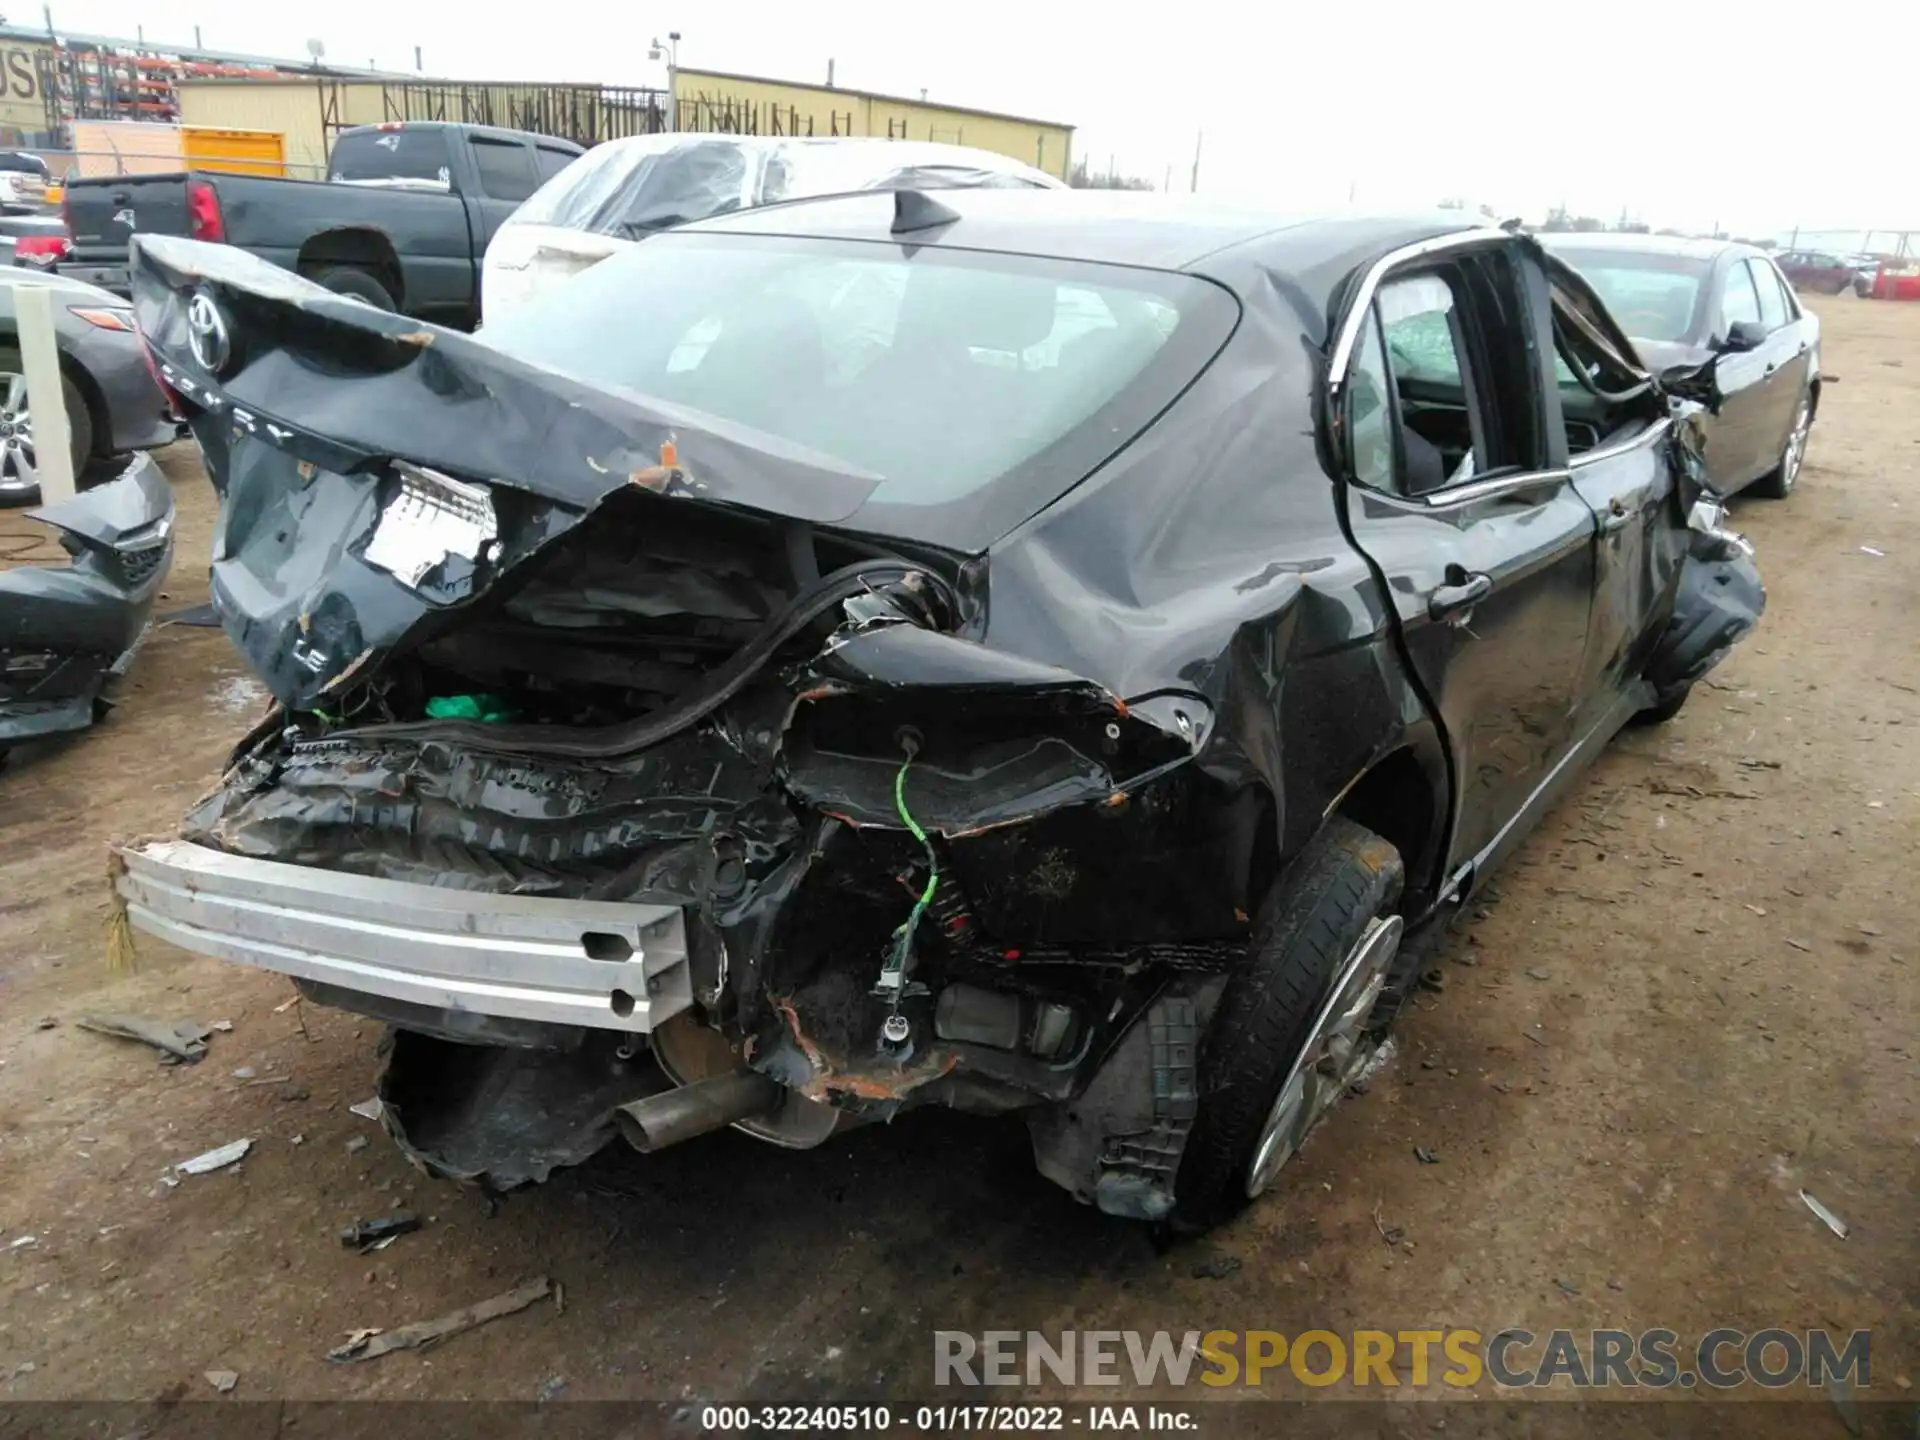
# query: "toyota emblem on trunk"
{"type": "Point", "coordinates": [207, 333]}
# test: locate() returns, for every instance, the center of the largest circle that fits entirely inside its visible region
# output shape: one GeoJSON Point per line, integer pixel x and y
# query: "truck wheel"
{"type": "Point", "coordinates": [19, 461]}
{"type": "Point", "coordinates": [356, 284]}
{"type": "Point", "coordinates": [1295, 1026]}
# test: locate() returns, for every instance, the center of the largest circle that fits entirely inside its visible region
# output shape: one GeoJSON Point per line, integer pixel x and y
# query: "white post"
{"type": "Point", "coordinates": [46, 399]}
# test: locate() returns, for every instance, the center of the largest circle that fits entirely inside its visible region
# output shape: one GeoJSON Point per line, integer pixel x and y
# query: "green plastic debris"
{"type": "Point", "coordinates": [489, 709]}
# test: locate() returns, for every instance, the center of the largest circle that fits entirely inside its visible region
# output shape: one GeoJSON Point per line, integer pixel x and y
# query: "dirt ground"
{"type": "Point", "coordinates": [1695, 991]}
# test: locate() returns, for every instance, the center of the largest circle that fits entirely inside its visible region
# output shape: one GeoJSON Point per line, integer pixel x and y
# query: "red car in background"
{"type": "Point", "coordinates": [1824, 273]}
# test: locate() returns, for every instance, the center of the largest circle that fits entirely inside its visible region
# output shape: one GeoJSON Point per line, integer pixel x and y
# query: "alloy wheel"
{"type": "Point", "coordinates": [19, 469]}
{"type": "Point", "coordinates": [1796, 451]}
{"type": "Point", "coordinates": [1336, 1051]}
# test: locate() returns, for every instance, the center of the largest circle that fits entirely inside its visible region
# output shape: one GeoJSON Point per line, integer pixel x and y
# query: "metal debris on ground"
{"type": "Point", "coordinates": [222, 1380]}
{"type": "Point", "coordinates": [365, 1234]}
{"type": "Point", "coordinates": [223, 1026]}
{"type": "Point", "coordinates": [1832, 1221]}
{"type": "Point", "coordinates": [1425, 1156]}
{"type": "Point", "coordinates": [1392, 1234]}
{"type": "Point", "coordinates": [215, 1159]}
{"type": "Point", "coordinates": [1217, 1268]}
{"type": "Point", "coordinates": [1799, 944]}
{"type": "Point", "coordinates": [245, 1072]}
{"type": "Point", "coordinates": [178, 1039]}
{"type": "Point", "coordinates": [367, 1109]}
{"type": "Point", "coordinates": [371, 1344]}
{"type": "Point", "coordinates": [21, 1242]}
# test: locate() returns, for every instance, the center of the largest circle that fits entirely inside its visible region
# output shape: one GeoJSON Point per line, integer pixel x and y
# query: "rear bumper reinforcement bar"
{"type": "Point", "coordinates": [568, 962]}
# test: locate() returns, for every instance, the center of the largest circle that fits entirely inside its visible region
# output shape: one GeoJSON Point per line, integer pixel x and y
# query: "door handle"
{"type": "Point", "coordinates": [1618, 517]}
{"type": "Point", "coordinates": [1451, 601]}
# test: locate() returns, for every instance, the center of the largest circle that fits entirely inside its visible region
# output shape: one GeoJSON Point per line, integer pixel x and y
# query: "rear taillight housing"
{"type": "Point", "coordinates": [203, 212]}
{"type": "Point", "coordinates": [41, 251]}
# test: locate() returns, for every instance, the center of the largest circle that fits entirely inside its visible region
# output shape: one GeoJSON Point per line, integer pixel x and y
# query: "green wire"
{"type": "Point", "coordinates": [905, 932]}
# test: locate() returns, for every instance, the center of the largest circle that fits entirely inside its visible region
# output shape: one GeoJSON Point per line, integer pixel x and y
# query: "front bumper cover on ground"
{"type": "Point", "coordinates": [66, 630]}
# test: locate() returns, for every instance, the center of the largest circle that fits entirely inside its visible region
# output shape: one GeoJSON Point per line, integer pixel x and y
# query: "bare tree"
{"type": "Point", "coordinates": [1083, 178]}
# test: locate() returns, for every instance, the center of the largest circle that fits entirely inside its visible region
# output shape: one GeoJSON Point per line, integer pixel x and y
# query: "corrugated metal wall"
{"type": "Point", "coordinates": [310, 112]}
{"type": "Point", "coordinates": [710, 100]}
{"type": "Point", "coordinates": [291, 107]}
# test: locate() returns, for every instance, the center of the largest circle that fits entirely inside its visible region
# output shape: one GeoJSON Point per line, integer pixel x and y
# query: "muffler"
{"type": "Point", "coordinates": [712, 1104]}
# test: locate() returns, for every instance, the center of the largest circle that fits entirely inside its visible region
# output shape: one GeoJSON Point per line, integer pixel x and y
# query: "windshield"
{"type": "Point", "coordinates": [633, 190]}
{"type": "Point", "coordinates": [975, 387]}
{"type": "Point", "coordinates": [1652, 296]}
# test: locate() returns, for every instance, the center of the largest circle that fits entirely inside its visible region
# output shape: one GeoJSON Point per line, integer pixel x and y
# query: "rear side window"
{"type": "Point", "coordinates": [1739, 301]}
{"type": "Point", "coordinates": [975, 387]}
{"type": "Point", "coordinates": [394, 155]}
{"type": "Point", "coordinates": [1773, 305]}
{"type": "Point", "coordinates": [551, 162]}
{"type": "Point", "coordinates": [1766, 277]}
{"type": "Point", "coordinates": [505, 168]}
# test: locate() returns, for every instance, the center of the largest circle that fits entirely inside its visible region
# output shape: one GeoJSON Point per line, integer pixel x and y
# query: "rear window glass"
{"type": "Point", "coordinates": [419, 156]}
{"type": "Point", "coordinates": [1650, 296]}
{"type": "Point", "coordinates": [976, 388]}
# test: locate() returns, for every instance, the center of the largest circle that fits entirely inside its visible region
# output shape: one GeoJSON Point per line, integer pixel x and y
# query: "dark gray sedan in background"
{"type": "Point", "coordinates": [113, 402]}
{"type": "Point", "coordinates": [1684, 302]}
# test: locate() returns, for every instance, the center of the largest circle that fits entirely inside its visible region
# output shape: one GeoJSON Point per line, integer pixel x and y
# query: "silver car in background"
{"type": "Point", "coordinates": [112, 399]}
{"type": "Point", "coordinates": [625, 190]}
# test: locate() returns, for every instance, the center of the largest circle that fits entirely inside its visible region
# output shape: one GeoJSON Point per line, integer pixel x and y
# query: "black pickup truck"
{"type": "Point", "coordinates": [402, 220]}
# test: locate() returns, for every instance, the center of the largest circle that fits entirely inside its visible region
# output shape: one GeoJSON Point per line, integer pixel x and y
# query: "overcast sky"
{"type": "Point", "coordinates": [1683, 113]}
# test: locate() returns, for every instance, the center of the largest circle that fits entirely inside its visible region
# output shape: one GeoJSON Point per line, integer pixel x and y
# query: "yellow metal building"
{"type": "Point", "coordinates": [310, 112]}
{"type": "Point", "coordinates": [715, 100]}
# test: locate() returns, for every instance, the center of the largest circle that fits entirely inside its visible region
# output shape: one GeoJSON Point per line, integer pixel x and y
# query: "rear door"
{"type": "Point", "coordinates": [1485, 547]}
{"type": "Point", "coordinates": [1735, 438]}
{"type": "Point", "coordinates": [505, 176]}
{"type": "Point", "coordinates": [1786, 360]}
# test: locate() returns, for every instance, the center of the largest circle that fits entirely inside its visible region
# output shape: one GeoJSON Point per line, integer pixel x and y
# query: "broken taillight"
{"type": "Point", "coordinates": [41, 251]}
{"type": "Point", "coordinates": [203, 212]}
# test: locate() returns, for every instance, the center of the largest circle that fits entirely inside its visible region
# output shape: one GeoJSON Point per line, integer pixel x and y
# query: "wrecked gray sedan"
{"type": "Point", "coordinates": [1015, 652]}
{"type": "Point", "coordinates": [66, 630]}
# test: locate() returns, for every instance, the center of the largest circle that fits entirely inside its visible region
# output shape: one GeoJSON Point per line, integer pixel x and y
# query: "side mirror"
{"type": "Point", "coordinates": [1744, 335]}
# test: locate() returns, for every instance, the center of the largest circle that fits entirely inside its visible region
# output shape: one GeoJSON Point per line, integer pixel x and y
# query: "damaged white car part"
{"type": "Point", "coordinates": [430, 519]}
{"type": "Point", "coordinates": [985, 651]}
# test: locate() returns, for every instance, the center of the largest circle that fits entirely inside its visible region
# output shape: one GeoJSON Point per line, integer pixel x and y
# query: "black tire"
{"type": "Point", "coordinates": [1778, 482]}
{"type": "Point", "coordinates": [1311, 920]}
{"type": "Point", "coordinates": [359, 284]}
{"type": "Point", "coordinates": [1663, 711]}
{"type": "Point", "coordinates": [79, 428]}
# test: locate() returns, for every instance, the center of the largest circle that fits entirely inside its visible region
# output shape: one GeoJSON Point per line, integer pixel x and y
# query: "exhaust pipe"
{"type": "Point", "coordinates": [713, 1104]}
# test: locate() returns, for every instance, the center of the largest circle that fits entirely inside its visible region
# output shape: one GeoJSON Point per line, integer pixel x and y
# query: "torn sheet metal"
{"type": "Point", "coordinates": [1720, 598]}
{"type": "Point", "coordinates": [67, 630]}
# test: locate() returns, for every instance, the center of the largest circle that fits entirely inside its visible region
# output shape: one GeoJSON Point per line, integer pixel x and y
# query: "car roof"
{"type": "Point", "coordinates": [1100, 226]}
{"type": "Point", "coordinates": [1688, 245]}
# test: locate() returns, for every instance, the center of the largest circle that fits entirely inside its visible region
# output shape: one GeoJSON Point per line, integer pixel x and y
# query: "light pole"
{"type": "Point", "coordinates": [671, 50]}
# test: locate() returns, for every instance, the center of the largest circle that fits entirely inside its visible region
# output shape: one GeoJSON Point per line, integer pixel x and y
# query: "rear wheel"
{"type": "Point", "coordinates": [19, 460]}
{"type": "Point", "coordinates": [1779, 482]}
{"type": "Point", "coordinates": [1296, 1026]}
{"type": "Point", "coordinates": [1664, 710]}
{"type": "Point", "coordinates": [357, 284]}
